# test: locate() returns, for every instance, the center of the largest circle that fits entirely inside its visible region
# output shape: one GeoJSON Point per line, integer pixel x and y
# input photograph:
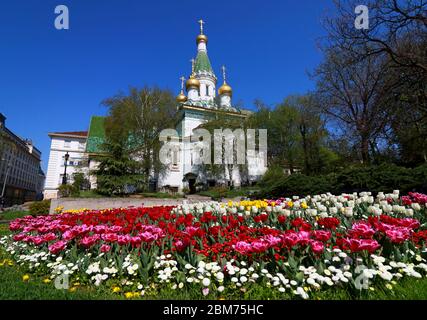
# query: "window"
{"type": "Point", "coordinates": [175, 159]}
{"type": "Point", "coordinates": [67, 143]}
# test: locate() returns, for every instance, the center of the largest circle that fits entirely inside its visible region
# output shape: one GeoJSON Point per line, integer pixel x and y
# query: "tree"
{"type": "Point", "coordinates": [138, 118]}
{"type": "Point", "coordinates": [317, 156]}
{"type": "Point", "coordinates": [80, 182]}
{"type": "Point", "coordinates": [396, 28]}
{"type": "Point", "coordinates": [353, 93]}
{"type": "Point", "coordinates": [397, 34]}
{"type": "Point", "coordinates": [225, 169]}
{"type": "Point", "coordinates": [118, 173]}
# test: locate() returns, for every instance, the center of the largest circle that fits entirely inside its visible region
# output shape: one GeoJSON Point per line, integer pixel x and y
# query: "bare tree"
{"type": "Point", "coordinates": [396, 28]}
{"type": "Point", "coordinates": [352, 92]}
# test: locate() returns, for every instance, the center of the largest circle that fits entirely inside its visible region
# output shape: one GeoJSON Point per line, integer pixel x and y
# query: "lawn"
{"type": "Point", "coordinates": [11, 215]}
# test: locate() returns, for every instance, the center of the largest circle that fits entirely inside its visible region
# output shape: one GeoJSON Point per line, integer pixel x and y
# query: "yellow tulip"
{"type": "Point", "coordinates": [25, 277]}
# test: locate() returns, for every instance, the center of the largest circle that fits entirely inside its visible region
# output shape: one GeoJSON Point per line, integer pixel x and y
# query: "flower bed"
{"type": "Point", "coordinates": [295, 246]}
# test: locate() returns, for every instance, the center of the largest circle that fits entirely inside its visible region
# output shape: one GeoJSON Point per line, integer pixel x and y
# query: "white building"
{"type": "Point", "coordinates": [62, 143]}
{"type": "Point", "coordinates": [201, 104]}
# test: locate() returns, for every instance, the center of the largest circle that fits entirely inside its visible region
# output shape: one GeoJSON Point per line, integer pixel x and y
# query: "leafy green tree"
{"type": "Point", "coordinates": [118, 173]}
{"type": "Point", "coordinates": [138, 118]}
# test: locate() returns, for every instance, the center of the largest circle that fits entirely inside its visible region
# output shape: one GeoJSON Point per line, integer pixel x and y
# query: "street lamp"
{"type": "Point", "coordinates": [64, 178]}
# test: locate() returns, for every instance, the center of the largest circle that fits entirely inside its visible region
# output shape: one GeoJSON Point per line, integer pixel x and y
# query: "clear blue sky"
{"type": "Point", "coordinates": [54, 80]}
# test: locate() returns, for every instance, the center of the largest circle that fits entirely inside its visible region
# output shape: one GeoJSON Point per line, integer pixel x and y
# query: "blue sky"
{"type": "Point", "coordinates": [55, 80]}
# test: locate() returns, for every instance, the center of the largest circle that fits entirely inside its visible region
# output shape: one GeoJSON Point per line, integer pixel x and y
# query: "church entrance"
{"type": "Point", "coordinates": [191, 180]}
{"type": "Point", "coordinates": [192, 185]}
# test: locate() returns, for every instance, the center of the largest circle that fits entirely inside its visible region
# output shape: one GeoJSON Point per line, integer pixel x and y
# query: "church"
{"type": "Point", "coordinates": [201, 102]}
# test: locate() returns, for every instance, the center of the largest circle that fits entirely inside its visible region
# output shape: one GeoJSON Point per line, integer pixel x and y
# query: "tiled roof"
{"type": "Point", "coordinates": [96, 135]}
{"type": "Point", "coordinates": [202, 63]}
{"type": "Point", "coordinates": [71, 133]}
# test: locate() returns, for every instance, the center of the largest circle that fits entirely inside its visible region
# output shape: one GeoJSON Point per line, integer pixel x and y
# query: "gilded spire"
{"type": "Point", "coordinates": [182, 83]}
{"type": "Point", "coordinates": [192, 81]}
{"type": "Point", "coordinates": [202, 37]}
{"type": "Point", "coordinates": [201, 25]}
{"type": "Point", "coordinates": [225, 88]}
{"type": "Point", "coordinates": [181, 98]}
{"type": "Point", "coordinates": [223, 73]}
{"type": "Point", "coordinates": [192, 65]}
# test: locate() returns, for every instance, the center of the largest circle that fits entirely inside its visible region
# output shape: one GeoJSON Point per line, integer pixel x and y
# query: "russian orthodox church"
{"type": "Point", "coordinates": [202, 102]}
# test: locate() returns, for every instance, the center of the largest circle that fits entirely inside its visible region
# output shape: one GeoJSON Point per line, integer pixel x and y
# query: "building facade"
{"type": "Point", "coordinates": [63, 143]}
{"type": "Point", "coordinates": [201, 102]}
{"type": "Point", "coordinates": [21, 176]}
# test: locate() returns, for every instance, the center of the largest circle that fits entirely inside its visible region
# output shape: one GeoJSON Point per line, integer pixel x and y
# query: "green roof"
{"type": "Point", "coordinates": [202, 62]}
{"type": "Point", "coordinates": [96, 135]}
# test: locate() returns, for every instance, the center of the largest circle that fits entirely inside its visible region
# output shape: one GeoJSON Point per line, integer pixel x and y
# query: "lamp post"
{"type": "Point", "coordinates": [64, 178]}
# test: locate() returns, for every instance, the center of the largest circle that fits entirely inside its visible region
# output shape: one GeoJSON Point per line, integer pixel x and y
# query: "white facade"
{"type": "Point", "coordinates": [198, 107]}
{"type": "Point", "coordinates": [73, 143]}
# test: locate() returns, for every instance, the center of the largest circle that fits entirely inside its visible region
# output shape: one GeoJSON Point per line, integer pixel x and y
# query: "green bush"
{"type": "Point", "coordinates": [68, 190]}
{"type": "Point", "coordinates": [40, 207]}
{"type": "Point", "coordinates": [384, 177]}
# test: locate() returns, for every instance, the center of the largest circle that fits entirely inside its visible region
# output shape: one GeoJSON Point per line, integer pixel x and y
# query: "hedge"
{"type": "Point", "coordinates": [384, 177]}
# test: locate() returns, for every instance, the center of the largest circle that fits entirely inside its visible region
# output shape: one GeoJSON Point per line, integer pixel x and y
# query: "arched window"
{"type": "Point", "coordinates": [175, 158]}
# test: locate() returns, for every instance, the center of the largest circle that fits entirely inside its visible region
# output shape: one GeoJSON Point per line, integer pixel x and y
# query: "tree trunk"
{"type": "Point", "coordinates": [365, 150]}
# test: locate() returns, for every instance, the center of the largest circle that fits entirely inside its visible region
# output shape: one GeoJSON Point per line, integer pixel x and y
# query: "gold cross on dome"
{"type": "Point", "coordinates": [223, 72]}
{"type": "Point", "coordinates": [201, 25]}
{"type": "Point", "coordinates": [182, 82]}
{"type": "Point", "coordinates": [192, 65]}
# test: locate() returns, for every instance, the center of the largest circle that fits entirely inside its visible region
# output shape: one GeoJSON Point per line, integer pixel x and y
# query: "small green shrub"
{"type": "Point", "coordinates": [68, 190]}
{"type": "Point", "coordinates": [40, 207]}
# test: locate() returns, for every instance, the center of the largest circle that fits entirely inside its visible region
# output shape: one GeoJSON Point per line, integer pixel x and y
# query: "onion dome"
{"type": "Point", "coordinates": [225, 89]}
{"type": "Point", "coordinates": [202, 38]}
{"type": "Point", "coordinates": [192, 82]}
{"type": "Point", "coordinates": [181, 98]}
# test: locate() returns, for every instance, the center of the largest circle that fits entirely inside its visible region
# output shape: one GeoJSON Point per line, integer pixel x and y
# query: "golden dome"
{"type": "Point", "coordinates": [181, 98]}
{"type": "Point", "coordinates": [225, 89]}
{"type": "Point", "coordinates": [202, 38]}
{"type": "Point", "coordinates": [192, 82]}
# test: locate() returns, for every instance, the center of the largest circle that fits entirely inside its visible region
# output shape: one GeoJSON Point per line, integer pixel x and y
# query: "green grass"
{"type": "Point", "coordinates": [12, 287]}
{"type": "Point", "coordinates": [11, 215]}
{"type": "Point", "coordinates": [4, 230]}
